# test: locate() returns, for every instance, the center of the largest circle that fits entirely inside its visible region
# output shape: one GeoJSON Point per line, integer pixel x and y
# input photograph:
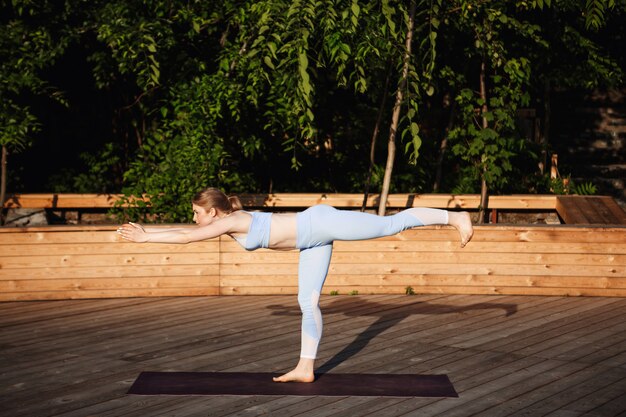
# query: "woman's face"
{"type": "Point", "coordinates": [201, 216]}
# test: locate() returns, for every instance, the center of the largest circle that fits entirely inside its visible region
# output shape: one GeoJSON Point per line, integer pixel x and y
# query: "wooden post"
{"type": "Point", "coordinates": [3, 182]}
{"type": "Point", "coordinates": [554, 170]}
{"type": "Point", "coordinates": [554, 167]}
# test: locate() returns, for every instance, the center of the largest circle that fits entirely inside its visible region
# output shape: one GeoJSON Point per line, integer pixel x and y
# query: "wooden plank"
{"type": "Point", "coordinates": [560, 393]}
{"type": "Point", "coordinates": [590, 210]}
{"type": "Point", "coordinates": [614, 396]}
{"type": "Point", "coordinates": [551, 321]}
{"type": "Point", "coordinates": [448, 238]}
{"type": "Point", "coordinates": [144, 319]}
{"type": "Point", "coordinates": [450, 258]}
{"type": "Point", "coordinates": [516, 395]}
{"type": "Point", "coordinates": [57, 249]}
{"type": "Point", "coordinates": [31, 314]}
{"type": "Point", "coordinates": [94, 260]}
{"type": "Point", "coordinates": [605, 210]}
{"type": "Point", "coordinates": [48, 273]}
{"type": "Point", "coordinates": [66, 235]}
{"type": "Point", "coordinates": [578, 329]}
{"type": "Point", "coordinates": [424, 269]}
{"type": "Point", "coordinates": [475, 246]}
{"type": "Point", "coordinates": [109, 283]}
{"type": "Point", "coordinates": [463, 331]}
{"type": "Point", "coordinates": [151, 325]}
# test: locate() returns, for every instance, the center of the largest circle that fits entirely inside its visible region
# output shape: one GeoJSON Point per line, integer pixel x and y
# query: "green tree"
{"type": "Point", "coordinates": [486, 136]}
{"type": "Point", "coordinates": [511, 46]}
{"type": "Point", "coordinates": [247, 94]}
{"type": "Point", "coordinates": [28, 45]}
{"type": "Point", "coordinates": [263, 95]}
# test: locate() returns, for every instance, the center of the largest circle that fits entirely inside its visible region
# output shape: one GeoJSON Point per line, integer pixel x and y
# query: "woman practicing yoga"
{"type": "Point", "coordinates": [312, 231]}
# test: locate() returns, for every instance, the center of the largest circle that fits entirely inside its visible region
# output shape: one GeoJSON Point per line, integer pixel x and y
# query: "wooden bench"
{"type": "Point", "coordinates": [87, 209]}
{"type": "Point", "coordinates": [92, 208]}
{"type": "Point", "coordinates": [590, 210]}
{"type": "Point", "coordinates": [299, 200]}
{"type": "Point", "coordinates": [571, 209]}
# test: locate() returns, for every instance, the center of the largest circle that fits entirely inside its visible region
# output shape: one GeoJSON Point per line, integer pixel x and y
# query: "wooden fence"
{"type": "Point", "coordinates": [64, 262]}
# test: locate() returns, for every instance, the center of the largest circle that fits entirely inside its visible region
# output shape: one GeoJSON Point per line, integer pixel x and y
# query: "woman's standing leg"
{"type": "Point", "coordinates": [312, 271]}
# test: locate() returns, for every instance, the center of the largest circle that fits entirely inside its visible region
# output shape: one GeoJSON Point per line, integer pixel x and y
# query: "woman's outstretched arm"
{"type": "Point", "coordinates": [137, 233]}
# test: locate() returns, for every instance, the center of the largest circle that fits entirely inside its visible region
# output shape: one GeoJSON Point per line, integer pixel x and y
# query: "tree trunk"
{"type": "Point", "coordinates": [395, 118]}
{"type": "Point", "coordinates": [381, 109]}
{"type": "Point", "coordinates": [484, 191]}
{"type": "Point", "coordinates": [3, 182]}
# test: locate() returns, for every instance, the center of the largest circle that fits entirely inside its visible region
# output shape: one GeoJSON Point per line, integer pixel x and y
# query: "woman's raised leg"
{"type": "Point", "coordinates": [329, 224]}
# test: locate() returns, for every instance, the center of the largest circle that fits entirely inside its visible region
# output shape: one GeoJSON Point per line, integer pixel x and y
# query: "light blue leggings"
{"type": "Point", "coordinates": [318, 227]}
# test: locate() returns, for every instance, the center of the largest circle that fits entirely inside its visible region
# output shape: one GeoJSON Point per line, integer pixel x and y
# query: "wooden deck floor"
{"type": "Point", "coordinates": [506, 355]}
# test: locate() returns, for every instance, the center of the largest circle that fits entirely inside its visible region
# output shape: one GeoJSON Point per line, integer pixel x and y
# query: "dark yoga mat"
{"type": "Point", "coordinates": [241, 383]}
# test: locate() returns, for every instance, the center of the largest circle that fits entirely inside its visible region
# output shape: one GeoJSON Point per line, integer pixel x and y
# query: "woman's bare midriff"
{"type": "Point", "coordinates": [283, 231]}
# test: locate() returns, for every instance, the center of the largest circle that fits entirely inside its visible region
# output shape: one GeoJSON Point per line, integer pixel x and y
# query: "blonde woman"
{"type": "Point", "coordinates": [312, 231]}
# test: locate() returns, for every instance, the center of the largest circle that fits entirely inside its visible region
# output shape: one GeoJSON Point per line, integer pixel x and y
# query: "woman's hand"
{"type": "Point", "coordinates": [133, 232]}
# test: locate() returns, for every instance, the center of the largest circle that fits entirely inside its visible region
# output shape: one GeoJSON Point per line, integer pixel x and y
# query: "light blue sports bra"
{"type": "Point", "coordinates": [258, 233]}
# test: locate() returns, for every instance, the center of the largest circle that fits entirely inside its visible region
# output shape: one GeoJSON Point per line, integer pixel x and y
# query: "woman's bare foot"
{"type": "Point", "coordinates": [303, 372]}
{"type": "Point", "coordinates": [463, 224]}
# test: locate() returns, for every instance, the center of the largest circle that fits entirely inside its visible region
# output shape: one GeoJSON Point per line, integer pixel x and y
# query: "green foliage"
{"type": "Point", "coordinates": [409, 291]}
{"type": "Point", "coordinates": [103, 168]}
{"type": "Point", "coordinates": [132, 44]}
{"type": "Point", "coordinates": [595, 11]}
{"type": "Point", "coordinates": [24, 51]}
{"type": "Point", "coordinates": [282, 95]}
{"type": "Point", "coordinates": [183, 155]}
{"type": "Point", "coordinates": [565, 186]}
{"type": "Point", "coordinates": [560, 186]}
{"type": "Point", "coordinates": [17, 125]}
{"type": "Point", "coordinates": [264, 94]}
{"type": "Point", "coordinates": [586, 188]}
{"type": "Point", "coordinates": [486, 136]}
